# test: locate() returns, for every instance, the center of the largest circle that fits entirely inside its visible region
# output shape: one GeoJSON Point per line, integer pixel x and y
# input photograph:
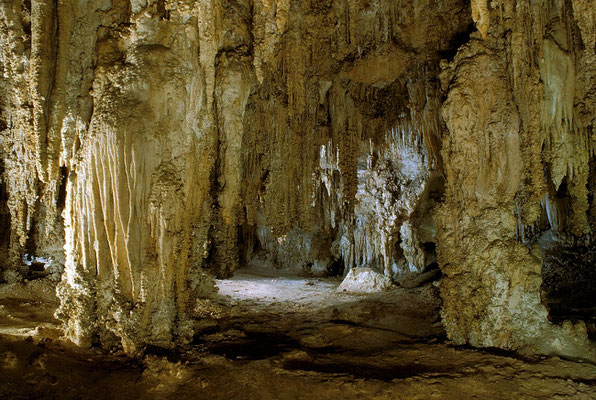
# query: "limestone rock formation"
{"type": "Point", "coordinates": [517, 157]}
{"type": "Point", "coordinates": [148, 145]}
{"type": "Point", "coordinates": [364, 280]}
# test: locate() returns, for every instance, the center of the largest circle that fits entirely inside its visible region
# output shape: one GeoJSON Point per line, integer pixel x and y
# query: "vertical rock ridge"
{"type": "Point", "coordinates": [514, 94]}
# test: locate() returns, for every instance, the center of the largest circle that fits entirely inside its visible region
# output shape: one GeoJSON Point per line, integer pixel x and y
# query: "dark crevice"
{"type": "Point", "coordinates": [61, 199]}
{"type": "Point", "coordinates": [162, 12]}
{"type": "Point", "coordinates": [429, 247]}
{"type": "Point", "coordinates": [26, 10]}
{"type": "Point", "coordinates": [247, 241]}
{"type": "Point", "coordinates": [4, 218]}
{"type": "Point", "coordinates": [337, 267]}
{"type": "Point", "coordinates": [456, 42]}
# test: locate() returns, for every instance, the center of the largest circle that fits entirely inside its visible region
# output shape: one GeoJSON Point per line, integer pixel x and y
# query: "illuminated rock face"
{"type": "Point", "coordinates": [145, 143]}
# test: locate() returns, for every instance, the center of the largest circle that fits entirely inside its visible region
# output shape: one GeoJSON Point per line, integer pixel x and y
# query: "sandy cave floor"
{"type": "Point", "coordinates": [278, 336]}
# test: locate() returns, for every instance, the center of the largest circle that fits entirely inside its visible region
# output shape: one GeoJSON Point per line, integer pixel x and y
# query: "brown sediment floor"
{"type": "Point", "coordinates": [279, 337]}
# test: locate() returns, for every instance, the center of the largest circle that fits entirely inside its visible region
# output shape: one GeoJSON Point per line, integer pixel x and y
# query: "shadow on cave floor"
{"type": "Point", "coordinates": [271, 312]}
{"type": "Point", "coordinates": [288, 301]}
{"type": "Point", "coordinates": [297, 339]}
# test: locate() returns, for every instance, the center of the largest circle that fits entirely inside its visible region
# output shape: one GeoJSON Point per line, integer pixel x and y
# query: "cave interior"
{"type": "Point", "coordinates": [297, 199]}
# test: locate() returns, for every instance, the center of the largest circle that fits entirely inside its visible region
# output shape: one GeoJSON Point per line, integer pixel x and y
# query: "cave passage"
{"type": "Point", "coordinates": [278, 304]}
{"type": "Point", "coordinates": [568, 285]}
{"type": "Point", "coordinates": [270, 287]}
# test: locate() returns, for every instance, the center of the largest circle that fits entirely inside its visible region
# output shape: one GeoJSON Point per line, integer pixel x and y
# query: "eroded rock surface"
{"type": "Point", "coordinates": [517, 159]}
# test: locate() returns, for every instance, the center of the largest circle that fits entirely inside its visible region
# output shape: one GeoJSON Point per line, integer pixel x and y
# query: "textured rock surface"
{"type": "Point", "coordinates": [519, 113]}
{"type": "Point", "coordinates": [364, 280]}
{"type": "Point", "coordinates": [146, 142]}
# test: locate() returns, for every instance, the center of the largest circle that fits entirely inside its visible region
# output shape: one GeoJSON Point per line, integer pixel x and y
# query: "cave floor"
{"type": "Point", "coordinates": [295, 303]}
{"type": "Point", "coordinates": [279, 337]}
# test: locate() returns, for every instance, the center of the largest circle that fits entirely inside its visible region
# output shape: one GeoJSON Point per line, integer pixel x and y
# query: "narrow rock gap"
{"type": "Point", "coordinates": [5, 227]}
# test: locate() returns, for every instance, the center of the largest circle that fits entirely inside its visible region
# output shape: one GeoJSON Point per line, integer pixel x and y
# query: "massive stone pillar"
{"type": "Point", "coordinates": [19, 141]}
{"type": "Point", "coordinates": [138, 190]}
{"type": "Point", "coordinates": [515, 135]}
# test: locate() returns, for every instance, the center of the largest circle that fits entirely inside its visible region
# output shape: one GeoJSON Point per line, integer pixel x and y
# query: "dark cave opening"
{"type": "Point", "coordinates": [568, 275]}
{"type": "Point", "coordinates": [568, 288]}
{"type": "Point", "coordinates": [459, 39]}
{"type": "Point", "coordinates": [569, 284]}
{"type": "Point", "coordinates": [337, 267]}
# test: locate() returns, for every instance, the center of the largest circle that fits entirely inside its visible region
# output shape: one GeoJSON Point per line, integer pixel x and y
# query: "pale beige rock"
{"type": "Point", "coordinates": [364, 280]}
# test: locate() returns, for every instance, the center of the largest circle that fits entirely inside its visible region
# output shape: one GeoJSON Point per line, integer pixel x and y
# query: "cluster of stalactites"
{"type": "Point", "coordinates": [391, 177]}
{"type": "Point", "coordinates": [564, 143]}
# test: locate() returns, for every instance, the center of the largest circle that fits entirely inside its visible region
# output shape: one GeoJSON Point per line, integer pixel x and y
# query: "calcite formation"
{"type": "Point", "coordinates": [519, 116]}
{"type": "Point", "coordinates": [147, 145]}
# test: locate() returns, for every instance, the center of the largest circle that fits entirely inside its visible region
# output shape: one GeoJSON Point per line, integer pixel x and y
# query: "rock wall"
{"type": "Point", "coordinates": [520, 117]}
{"type": "Point", "coordinates": [158, 140]}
